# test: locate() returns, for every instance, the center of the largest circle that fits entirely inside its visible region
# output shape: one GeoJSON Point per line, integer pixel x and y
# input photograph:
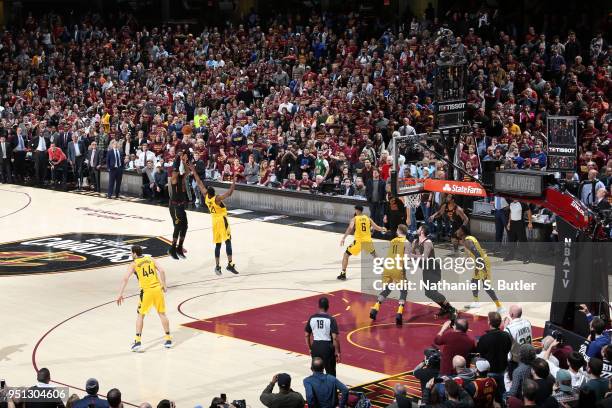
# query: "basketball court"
{"type": "Point", "coordinates": [62, 257]}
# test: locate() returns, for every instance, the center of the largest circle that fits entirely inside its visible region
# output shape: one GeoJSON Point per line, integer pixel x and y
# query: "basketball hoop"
{"type": "Point", "coordinates": [412, 200]}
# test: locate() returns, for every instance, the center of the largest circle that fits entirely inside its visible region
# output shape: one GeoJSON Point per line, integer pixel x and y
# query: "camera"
{"type": "Point", "coordinates": [432, 357]}
{"type": "Point", "coordinates": [557, 335]}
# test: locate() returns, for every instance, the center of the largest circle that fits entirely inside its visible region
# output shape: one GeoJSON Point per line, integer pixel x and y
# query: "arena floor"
{"type": "Point", "coordinates": [64, 316]}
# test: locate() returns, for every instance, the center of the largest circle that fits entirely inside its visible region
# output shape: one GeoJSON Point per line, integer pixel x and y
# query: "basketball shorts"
{"type": "Point", "coordinates": [152, 298]}
{"type": "Point", "coordinates": [221, 229]}
{"type": "Point", "coordinates": [483, 273]}
{"type": "Point", "coordinates": [179, 216]}
{"type": "Point", "coordinates": [393, 276]}
{"type": "Point", "coordinates": [357, 246]}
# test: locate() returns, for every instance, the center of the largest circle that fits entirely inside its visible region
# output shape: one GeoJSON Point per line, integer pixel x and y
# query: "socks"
{"type": "Point", "coordinates": [400, 309]}
{"type": "Point", "coordinates": [137, 339]}
{"type": "Point", "coordinates": [168, 336]}
{"type": "Point", "coordinates": [498, 303]}
{"type": "Point", "coordinates": [376, 306]}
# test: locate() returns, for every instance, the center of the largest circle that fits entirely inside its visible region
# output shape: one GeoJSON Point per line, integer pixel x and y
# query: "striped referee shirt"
{"type": "Point", "coordinates": [321, 326]}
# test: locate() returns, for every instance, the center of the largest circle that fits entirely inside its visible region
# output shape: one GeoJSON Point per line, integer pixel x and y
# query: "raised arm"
{"type": "Point", "coordinates": [197, 178]}
{"type": "Point", "coordinates": [228, 193]}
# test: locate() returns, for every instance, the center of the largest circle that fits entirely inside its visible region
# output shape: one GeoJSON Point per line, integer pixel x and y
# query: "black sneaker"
{"type": "Point", "coordinates": [180, 253]}
{"type": "Point", "coordinates": [526, 261]}
{"type": "Point", "coordinates": [373, 313]}
{"type": "Point", "coordinates": [232, 268]}
{"type": "Point", "coordinates": [342, 276]}
{"type": "Point", "coordinates": [452, 313]}
{"type": "Point", "coordinates": [399, 319]}
{"type": "Point", "coordinates": [172, 253]}
{"type": "Point", "coordinates": [218, 270]}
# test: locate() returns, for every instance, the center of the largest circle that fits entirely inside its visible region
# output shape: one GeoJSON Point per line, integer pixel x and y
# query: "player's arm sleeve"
{"type": "Point", "coordinates": [334, 326]}
{"type": "Point", "coordinates": [307, 328]}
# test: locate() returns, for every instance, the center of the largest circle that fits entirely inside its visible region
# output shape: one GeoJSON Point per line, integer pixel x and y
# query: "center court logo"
{"type": "Point", "coordinates": [73, 251]}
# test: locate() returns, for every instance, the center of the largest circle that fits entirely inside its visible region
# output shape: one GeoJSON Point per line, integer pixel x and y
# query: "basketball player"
{"type": "Point", "coordinates": [396, 274]}
{"type": "Point", "coordinates": [455, 216]}
{"type": "Point", "coordinates": [178, 201]}
{"type": "Point", "coordinates": [423, 248]}
{"type": "Point", "coordinates": [361, 225]}
{"type": "Point", "coordinates": [221, 229]}
{"type": "Point", "coordinates": [152, 281]}
{"type": "Point", "coordinates": [476, 252]}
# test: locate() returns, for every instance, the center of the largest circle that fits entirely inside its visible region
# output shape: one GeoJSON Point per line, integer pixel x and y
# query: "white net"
{"type": "Point", "coordinates": [412, 200]}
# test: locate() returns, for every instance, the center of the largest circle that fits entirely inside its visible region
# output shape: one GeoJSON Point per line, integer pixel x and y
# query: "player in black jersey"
{"type": "Point", "coordinates": [423, 248]}
{"type": "Point", "coordinates": [178, 201]}
{"type": "Point", "coordinates": [455, 216]}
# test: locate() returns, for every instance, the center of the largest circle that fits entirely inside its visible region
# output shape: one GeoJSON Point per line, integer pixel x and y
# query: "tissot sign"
{"type": "Point", "coordinates": [73, 251]}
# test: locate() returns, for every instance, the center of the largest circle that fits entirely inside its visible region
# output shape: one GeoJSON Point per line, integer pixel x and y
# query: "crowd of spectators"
{"type": "Point", "coordinates": [306, 104]}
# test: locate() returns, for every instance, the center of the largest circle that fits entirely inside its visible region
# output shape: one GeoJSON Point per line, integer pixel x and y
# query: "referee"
{"type": "Point", "coordinates": [322, 337]}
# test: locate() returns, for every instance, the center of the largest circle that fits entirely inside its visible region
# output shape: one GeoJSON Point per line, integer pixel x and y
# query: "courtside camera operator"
{"type": "Point", "coordinates": [428, 368]}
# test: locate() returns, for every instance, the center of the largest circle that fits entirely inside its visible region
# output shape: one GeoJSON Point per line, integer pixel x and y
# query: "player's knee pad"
{"type": "Point", "coordinates": [217, 250]}
{"type": "Point", "coordinates": [228, 247]}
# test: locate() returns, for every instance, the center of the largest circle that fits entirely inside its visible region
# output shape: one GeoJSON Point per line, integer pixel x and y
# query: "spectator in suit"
{"type": "Point", "coordinates": [601, 200]}
{"type": "Point", "coordinates": [58, 162]}
{"type": "Point", "coordinates": [161, 181]}
{"type": "Point", "coordinates": [95, 158]}
{"type": "Point", "coordinates": [115, 165]}
{"type": "Point", "coordinates": [19, 145]}
{"type": "Point", "coordinates": [347, 188]}
{"type": "Point", "coordinates": [6, 151]}
{"type": "Point", "coordinates": [64, 138]}
{"type": "Point", "coordinates": [76, 158]}
{"type": "Point", "coordinates": [148, 180]}
{"type": "Point", "coordinates": [39, 147]}
{"type": "Point", "coordinates": [375, 194]}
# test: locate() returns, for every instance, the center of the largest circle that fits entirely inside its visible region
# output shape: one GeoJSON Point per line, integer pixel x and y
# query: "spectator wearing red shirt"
{"type": "Point", "coordinates": [304, 184]}
{"type": "Point", "coordinates": [291, 183]}
{"type": "Point", "coordinates": [58, 162]}
{"type": "Point", "coordinates": [454, 342]}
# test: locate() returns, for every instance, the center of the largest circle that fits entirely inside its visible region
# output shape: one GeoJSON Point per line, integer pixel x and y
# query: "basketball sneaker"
{"type": "Point", "coordinates": [373, 313]}
{"type": "Point", "coordinates": [501, 310]}
{"type": "Point", "coordinates": [218, 270]}
{"type": "Point", "coordinates": [136, 347]}
{"type": "Point", "coordinates": [180, 252]}
{"type": "Point", "coordinates": [172, 253]}
{"type": "Point", "coordinates": [399, 320]}
{"type": "Point", "coordinates": [473, 305]}
{"type": "Point", "coordinates": [168, 342]}
{"type": "Point", "coordinates": [232, 268]}
{"type": "Point", "coordinates": [342, 276]}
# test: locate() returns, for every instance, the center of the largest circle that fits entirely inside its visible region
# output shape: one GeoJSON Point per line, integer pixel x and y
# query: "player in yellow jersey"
{"type": "Point", "coordinates": [482, 268]}
{"type": "Point", "coordinates": [152, 282]}
{"type": "Point", "coordinates": [394, 275]}
{"type": "Point", "coordinates": [361, 225]}
{"type": "Point", "coordinates": [220, 226]}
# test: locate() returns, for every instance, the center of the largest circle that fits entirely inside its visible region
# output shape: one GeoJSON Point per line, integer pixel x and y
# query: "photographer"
{"type": "Point", "coordinates": [454, 342]}
{"type": "Point", "coordinates": [285, 398]}
{"type": "Point", "coordinates": [428, 368]}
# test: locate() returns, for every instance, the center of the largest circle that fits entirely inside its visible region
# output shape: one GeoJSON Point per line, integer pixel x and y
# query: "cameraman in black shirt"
{"type": "Point", "coordinates": [428, 368]}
